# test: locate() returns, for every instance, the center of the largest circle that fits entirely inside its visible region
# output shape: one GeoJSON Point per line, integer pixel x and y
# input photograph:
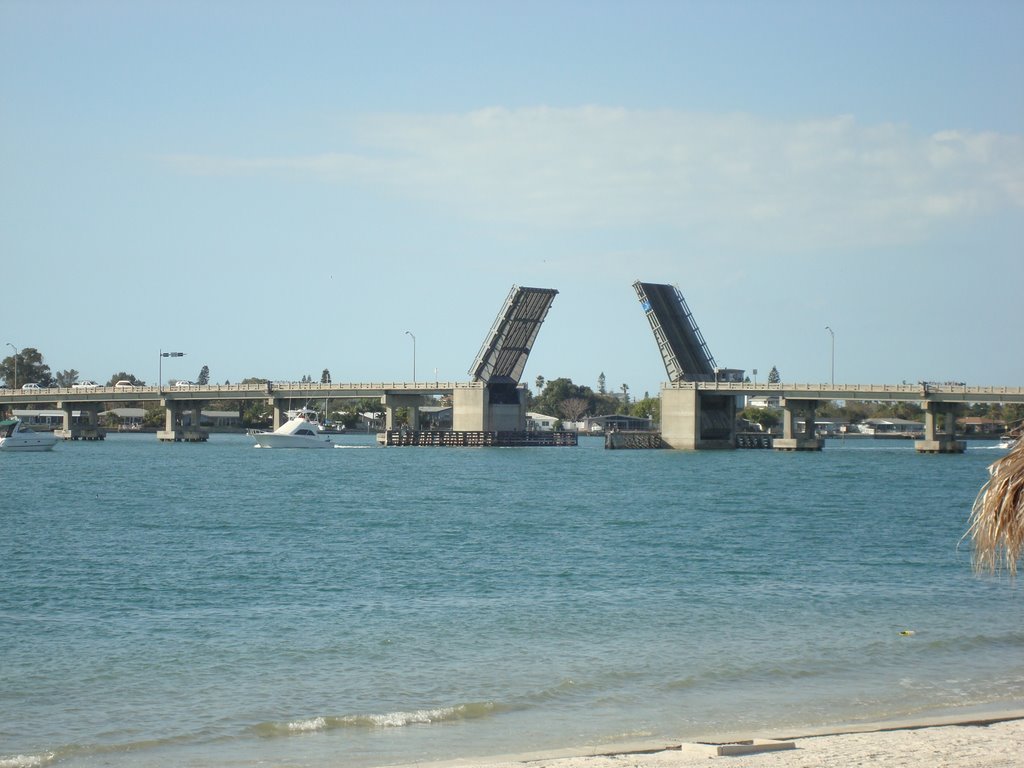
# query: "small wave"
{"type": "Point", "coordinates": [399, 719]}
{"type": "Point", "coordinates": [305, 726]}
{"type": "Point", "coordinates": [27, 761]}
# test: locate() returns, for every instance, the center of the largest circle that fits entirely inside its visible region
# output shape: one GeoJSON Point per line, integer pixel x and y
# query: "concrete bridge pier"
{"type": "Point", "coordinates": [489, 408]}
{"type": "Point", "coordinates": [933, 442]}
{"type": "Point", "coordinates": [175, 429]}
{"type": "Point", "coordinates": [791, 440]}
{"type": "Point", "coordinates": [694, 420]}
{"type": "Point", "coordinates": [393, 402]}
{"type": "Point", "coordinates": [87, 428]}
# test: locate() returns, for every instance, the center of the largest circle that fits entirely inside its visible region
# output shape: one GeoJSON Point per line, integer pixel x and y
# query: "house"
{"type": "Point", "coordinates": [891, 426]}
{"type": "Point", "coordinates": [978, 425]}
{"type": "Point", "coordinates": [539, 422]}
{"type": "Point", "coordinates": [618, 422]}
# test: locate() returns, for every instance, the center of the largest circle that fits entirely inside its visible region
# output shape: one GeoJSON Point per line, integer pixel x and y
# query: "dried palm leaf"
{"type": "Point", "coordinates": [997, 517]}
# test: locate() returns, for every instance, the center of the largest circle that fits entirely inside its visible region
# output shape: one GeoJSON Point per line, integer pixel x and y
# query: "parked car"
{"type": "Point", "coordinates": [84, 385]}
{"type": "Point", "coordinates": [125, 384]}
{"type": "Point", "coordinates": [29, 387]}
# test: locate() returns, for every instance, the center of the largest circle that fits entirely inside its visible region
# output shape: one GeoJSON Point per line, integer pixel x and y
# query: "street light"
{"type": "Point", "coordinates": [410, 334]}
{"type": "Point", "coordinates": [833, 335]}
{"type": "Point", "coordinates": [160, 375]}
{"type": "Point", "coordinates": [15, 363]}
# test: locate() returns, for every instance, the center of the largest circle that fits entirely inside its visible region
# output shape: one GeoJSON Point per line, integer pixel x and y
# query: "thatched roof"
{"type": "Point", "coordinates": [997, 518]}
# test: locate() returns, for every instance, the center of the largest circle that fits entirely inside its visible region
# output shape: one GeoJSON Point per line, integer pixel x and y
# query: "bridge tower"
{"type": "Point", "coordinates": [691, 418]}
{"type": "Point", "coordinates": [498, 401]}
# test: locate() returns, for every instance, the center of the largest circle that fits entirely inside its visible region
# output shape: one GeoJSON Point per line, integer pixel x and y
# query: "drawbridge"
{"type": "Point", "coordinates": [502, 358]}
{"type": "Point", "coordinates": [687, 358]}
{"type": "Point", "coordinates": [683, 349]}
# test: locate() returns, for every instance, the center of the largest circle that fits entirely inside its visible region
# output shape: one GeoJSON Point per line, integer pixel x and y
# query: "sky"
{"type": "Point", "coordinates": [279, 188]}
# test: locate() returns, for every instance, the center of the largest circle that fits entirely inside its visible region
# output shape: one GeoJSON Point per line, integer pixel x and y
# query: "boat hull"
{"type": "Point", "coordinates": [40, 443]}
{"type": "Point", "coordinates": [271, 440]}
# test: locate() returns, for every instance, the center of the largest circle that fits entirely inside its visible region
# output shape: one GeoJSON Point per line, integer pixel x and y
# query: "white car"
{"type": "Point", "coordinates": [85, 385]}
{"type": "Point", "coordinates": [30, 387]}
{"type": "Point", "coordinates": [185, 384]}
{"type": "Point", "coordinates": [124, 384]}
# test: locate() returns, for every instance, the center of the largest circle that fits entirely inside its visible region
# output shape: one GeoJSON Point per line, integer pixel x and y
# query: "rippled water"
{"type": "Point", "coordinates": [218, 605]}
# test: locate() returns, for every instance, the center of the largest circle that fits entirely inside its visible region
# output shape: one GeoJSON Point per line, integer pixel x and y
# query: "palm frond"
{"type": "Point", "coordinates": [997, 517]}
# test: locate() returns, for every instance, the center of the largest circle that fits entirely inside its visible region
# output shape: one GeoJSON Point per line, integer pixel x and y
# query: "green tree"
{"type": "Point", "coordinates": [539, 382]}
{"type": "Point", "coordinates": [647, 408]}
{"type": "Point", "coordinates": [66, 378]}
{"type": "Point", "coordinates": [204, 376]}
{"type": "Point", "coordinates": [766, 417]}
{"type": "Point", "coordinates": [123, 376]}
{"type": "Point", "coordinates": [325, 377]}
{"type": "Point", "coordinates": [773, 376]}
{"type": "Point", "coordinates": [30, 368]}
{"type": "Point", "coordinates": [601, 384]}
{"type": "Point", "coordinates": [557, 391]}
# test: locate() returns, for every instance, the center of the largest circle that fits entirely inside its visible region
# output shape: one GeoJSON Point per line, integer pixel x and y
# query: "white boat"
{"type": "Point", "coordinates": [15, 436]}
{"type": "Point", "coordinates": [1008, 441]}
{"type": "Point", "coordinates": [302, 430]}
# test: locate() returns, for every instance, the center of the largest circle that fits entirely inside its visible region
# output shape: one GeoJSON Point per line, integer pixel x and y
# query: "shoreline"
{"type": "Point", "coordinates": [989, 739]}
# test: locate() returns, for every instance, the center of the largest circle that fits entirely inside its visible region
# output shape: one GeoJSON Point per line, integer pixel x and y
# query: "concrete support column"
{"type": "Point", "coordinates": [87, 427]}
{"type": "Point", "coordinates": [174, 428]}
{"type": "Point", "coordinates": [392, 402]}
{"type": "Point", "coordinates": [790, 440]}
{"type": "Point", "coordinates": [934, 442]}
{"type": "Point", "coordinates": [930, 421]}
{"type": "Point", "coordinates": [809, 425]}
{"type": "Point", "coordinates": [280, 411]}
{"type": "Point", "coordinates": [680, 418]}
{"type": "Point", "coordinates": [469, 409]}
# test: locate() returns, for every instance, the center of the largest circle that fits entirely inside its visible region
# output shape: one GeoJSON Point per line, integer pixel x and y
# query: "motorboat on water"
{"type": "Point", "coordinates": [302, 430]}
{"type": "Point", "coordinates": [1008, 441]}
{"type": "Point", "coordinates": [15, 436]}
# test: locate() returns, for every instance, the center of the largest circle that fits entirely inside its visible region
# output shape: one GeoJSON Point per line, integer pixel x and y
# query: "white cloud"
{"type": "Point", "coordinates": [735, 179]}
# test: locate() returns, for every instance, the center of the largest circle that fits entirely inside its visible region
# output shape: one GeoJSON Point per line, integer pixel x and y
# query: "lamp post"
{"type": "Point", "coordinates": [833, 335]}
{"type": "Point", "coordinates": [160, 375]}
{"type": "Point", "coordinates": [413, 337]}
{"type": "Point", "coordinates": [16, 353]}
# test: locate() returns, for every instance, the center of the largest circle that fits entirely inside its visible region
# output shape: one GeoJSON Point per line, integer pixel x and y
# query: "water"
{"type": "Point", "coordinates": [217, 605]}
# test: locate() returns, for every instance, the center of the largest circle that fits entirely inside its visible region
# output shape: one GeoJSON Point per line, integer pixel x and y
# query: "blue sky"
{"type": "Point", "coordinates": [276, 189]}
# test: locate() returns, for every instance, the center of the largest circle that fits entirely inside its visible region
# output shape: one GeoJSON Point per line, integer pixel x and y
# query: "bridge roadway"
{"type": "Point", "coordinates": [925, 391]}
{"type": "Point", "coordinates": [701, 414]}
{"type": "Point", "coordinates": [682, 402]}
{"type": "Point", "coordinates": [281, 395]}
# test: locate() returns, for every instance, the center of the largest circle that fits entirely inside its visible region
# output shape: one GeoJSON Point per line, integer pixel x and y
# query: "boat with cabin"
{"type": "Point", "coordinates": [302, 430]}
{"type": "Point", "coordinates": [15, 435]}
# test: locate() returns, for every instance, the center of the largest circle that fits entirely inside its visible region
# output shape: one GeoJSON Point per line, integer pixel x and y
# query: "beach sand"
{"type": "Point", "coordinates": [990, 743]}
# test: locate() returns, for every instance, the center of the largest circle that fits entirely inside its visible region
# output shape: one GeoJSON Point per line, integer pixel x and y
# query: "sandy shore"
{"type": "Point", "coordinates": [989, 743]}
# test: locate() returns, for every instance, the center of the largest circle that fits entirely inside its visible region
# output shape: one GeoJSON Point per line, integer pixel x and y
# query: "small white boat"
{"type": "Point", "coordinates": [302, 430]}
{"type": "Point", "coordinates": [1008, 441]}
{"type": "Point", "coordinates": [15, 436]}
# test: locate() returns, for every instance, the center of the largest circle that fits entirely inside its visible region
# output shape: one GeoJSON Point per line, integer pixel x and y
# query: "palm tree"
{"type": "Point", "coordinates": [997, 517]}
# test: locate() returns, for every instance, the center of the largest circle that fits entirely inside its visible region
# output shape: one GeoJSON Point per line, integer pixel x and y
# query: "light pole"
{"type": "Point", "coordinates": [833, 335]}
{"type": "Point", "coordinates": [160, 375]}
{"type": "Point", "coordinates": [16, 353]}
{"type": "Point", "coordinates": [413, 337]}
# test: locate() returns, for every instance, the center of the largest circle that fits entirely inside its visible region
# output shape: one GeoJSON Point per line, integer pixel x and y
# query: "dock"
{"type": "Point", "coordinates": [474, 439]}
